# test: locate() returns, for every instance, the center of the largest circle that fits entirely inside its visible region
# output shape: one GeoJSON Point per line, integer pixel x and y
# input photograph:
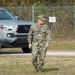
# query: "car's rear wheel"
{"type": "Point", "coordinates": [26, 50]}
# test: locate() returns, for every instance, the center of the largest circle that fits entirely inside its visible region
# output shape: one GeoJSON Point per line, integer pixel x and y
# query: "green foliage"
{"type": "Point", "coordinates": [31, 2]}
{"type": "Point", "coordinates": [64, 26]}
{"type": "Point", "coordinates": [23, 12]}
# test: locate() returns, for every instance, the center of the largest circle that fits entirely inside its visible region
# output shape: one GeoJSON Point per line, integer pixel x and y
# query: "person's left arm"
{"type": "Point", "coordinates": [48, 36]}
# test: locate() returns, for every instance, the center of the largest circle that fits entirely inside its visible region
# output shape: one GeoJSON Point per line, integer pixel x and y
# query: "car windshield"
{"type": "Point", "coordinates": [5, 15]}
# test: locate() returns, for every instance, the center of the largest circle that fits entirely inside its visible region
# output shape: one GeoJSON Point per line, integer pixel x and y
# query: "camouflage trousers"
{"type": "Point", "coordinates": [38, 55]}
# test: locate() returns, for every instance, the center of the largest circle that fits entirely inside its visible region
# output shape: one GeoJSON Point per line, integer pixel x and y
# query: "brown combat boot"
{"type": "Point", "coordinates": [36, 69]}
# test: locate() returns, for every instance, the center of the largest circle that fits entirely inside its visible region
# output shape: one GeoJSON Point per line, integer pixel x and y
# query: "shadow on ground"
{"type": "Point", "coordinates": [50, 69]}
{"type": "Point", "coordinates": [11, 52]}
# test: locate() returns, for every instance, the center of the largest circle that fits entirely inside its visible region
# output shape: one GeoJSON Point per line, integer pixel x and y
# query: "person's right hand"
{"type": "Point", "coordinates": [30, 46]}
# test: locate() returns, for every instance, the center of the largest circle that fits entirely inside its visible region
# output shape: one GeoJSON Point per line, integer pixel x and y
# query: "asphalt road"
{"type": "Point", "coordinates": [61, 53]}
{"type": "Point", "coordinates": [20, 52]}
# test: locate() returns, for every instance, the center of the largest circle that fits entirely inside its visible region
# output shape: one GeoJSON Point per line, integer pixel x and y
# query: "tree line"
{"type": "Point", "coordinates": [39, 2]}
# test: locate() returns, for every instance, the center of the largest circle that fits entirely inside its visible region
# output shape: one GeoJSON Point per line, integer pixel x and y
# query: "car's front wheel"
{"type": "Point", "coordinates": [26, 50]}
{"type": "Point", "coordinates": [0, 44]}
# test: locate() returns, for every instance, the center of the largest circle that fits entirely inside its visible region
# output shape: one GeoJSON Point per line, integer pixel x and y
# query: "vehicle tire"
{"type": "Point", "coordinates": [26, 50]}
{"type": "Point", "coordinates": [0, 45]}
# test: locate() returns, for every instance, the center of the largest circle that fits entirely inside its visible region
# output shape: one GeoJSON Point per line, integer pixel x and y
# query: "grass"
{"type": "Point", "coordinates": [62, 46]}
{"type": "Point", "coordinates": [21, 65]}
{"type": "Point", "coordinates": [54, 46]}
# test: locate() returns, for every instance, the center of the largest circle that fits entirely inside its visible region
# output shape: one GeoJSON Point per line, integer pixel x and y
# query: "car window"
{"type": "Point", "coordinates": [5, 15]}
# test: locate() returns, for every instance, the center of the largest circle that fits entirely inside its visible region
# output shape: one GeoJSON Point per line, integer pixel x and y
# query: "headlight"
{"type": "Point", "coordinates": [10, 35]}
{"type": "Point", "coordinates": [7, 27]}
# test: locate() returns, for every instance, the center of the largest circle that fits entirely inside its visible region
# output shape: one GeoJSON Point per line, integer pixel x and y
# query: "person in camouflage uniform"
{"type": "Point", "coordinates": [39, 38]}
